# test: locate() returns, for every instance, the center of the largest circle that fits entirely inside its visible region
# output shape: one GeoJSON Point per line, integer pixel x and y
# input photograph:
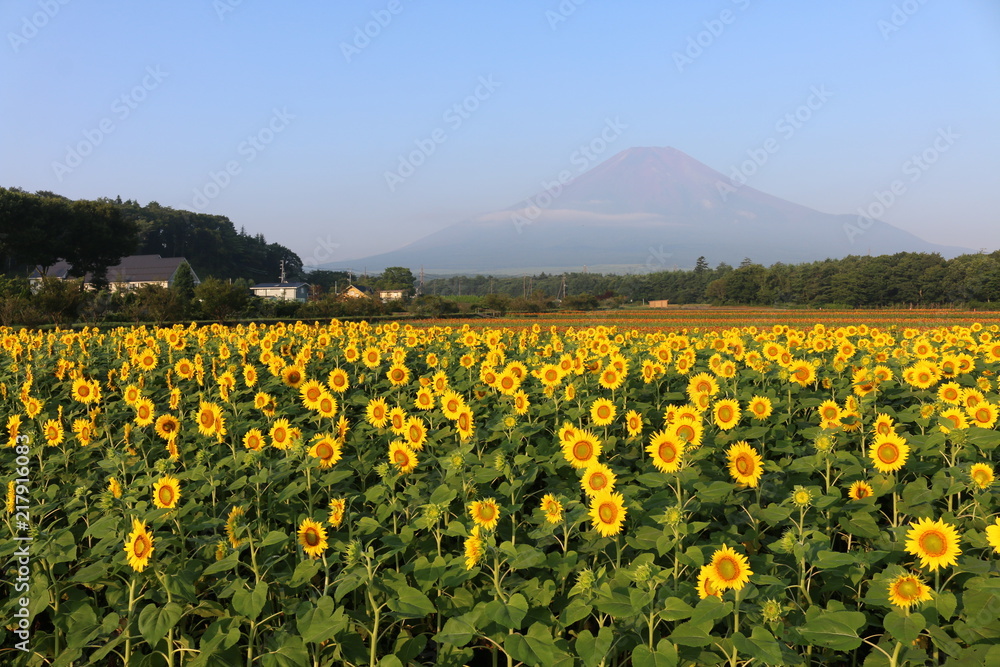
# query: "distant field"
{"type": "Point", "coordinates": [707, 317]}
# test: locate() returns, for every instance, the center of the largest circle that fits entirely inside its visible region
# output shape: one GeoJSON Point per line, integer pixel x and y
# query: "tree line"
{"type": "Point", "coordinates": [902, 279]}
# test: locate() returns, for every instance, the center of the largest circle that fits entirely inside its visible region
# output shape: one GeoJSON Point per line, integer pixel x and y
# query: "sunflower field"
{"type": "Point", "coordinates": [351, 494]}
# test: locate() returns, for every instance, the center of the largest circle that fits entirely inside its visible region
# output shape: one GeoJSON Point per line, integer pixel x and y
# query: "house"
{"type": "Point", "coordinates": [131, 272]}
{"type": "Point", "coordinates": [356, 292]}
{"type": "Point", "coordinates": [391, 294]}
{"type": "Point", "coordinates": [282, 291]}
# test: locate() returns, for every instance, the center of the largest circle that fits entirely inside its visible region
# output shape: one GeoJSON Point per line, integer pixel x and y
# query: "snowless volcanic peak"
{"type": "Point", "coordinates": [647, 209]}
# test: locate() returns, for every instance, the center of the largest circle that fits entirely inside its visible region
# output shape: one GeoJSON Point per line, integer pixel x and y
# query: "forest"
{"type": "Point", "coordinates": [857, 281]}
{"type": "Point", "coordinates": [41, 228]}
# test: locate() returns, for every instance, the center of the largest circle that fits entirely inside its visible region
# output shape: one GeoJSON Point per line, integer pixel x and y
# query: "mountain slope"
{"type": "Point", "coordinates": [647, 209]}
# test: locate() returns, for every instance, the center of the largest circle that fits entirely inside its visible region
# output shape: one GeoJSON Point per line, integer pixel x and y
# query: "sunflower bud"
{"type": "Point", "coordinates": [771, 610]}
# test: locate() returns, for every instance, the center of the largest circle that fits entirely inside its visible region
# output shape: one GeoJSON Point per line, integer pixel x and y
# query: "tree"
{"type": "Point", "coordinates": [396, 277]}
{"type": "Point", "coordinates": [220, 300]}
{"type": "Point", "coordinates": [183, 284]}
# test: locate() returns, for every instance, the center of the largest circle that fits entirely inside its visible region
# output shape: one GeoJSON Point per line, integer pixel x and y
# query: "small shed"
{"type": "Point", "coordinates": [391, 295]}
{"type": "Point", "coordinates": [356, 292]}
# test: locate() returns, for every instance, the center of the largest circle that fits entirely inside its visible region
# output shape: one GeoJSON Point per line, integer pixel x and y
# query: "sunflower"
{"type": "Point", "coordinates": [424, 399]}
{"type": "Point", "coordinates": [338, 380]}
{"type": "Point", "coordinates": [371, 357]}
{"type": "Point", "coordinates": [85, 430]}
{"type": "Point", "coordinates": [144, 411]}
{"type": "Point", "coordinates": [666, 449]}
{"type": "Point", "coordinates": [402, 456]}
{"type": "Point", "coordinates": [292, 376]}
{"type": "Point", "coordinates": [745, 464]}
{"type": "Point", "coordinates": [398, 375]}
{"type": "Point", "coordinates": [249, 375]}
{"type": "Point", "coordinates": [597, 477]}
{"type": "Point", "coordinates": [633, 423]}
{"type": "Point", "coordinates": [935, 543]}
{"type": "Point", "coordinates": [451, 404]}
{"type": "Point", "coordinates": [801, 496]}
{"type": "Point", "coordinates": [982, 475]}
{"type": "Point", "coordinates": [338, 507]}
{"type": "Point", "coordinates": [377, 412]}
{"type": "Point", "coordinates": [210, 420]}
{"type": "Point", "coordinates": [728, 569]}
{"type": "Point", "coordinates": [415, 431]}
{"type": "Point", "coordinates": [115, 487]}
{"type": "Point", "coordinates": [907, 589]}
{"type": "Point", "coordinates": [311, 391]}
{"type": "Point", "coordinates": [726, 413]}
{"type": "Point", "coordinates": [235, 513]}
{"type": "Point", "coordinates": [760, 407]}
{"type": "Point", "coordinates": [184, 368]}
{"type": "Point", "coordinates": [802, 372]}
{"type": "Point", "coordinates": [167, 426]}
{"type": "Point", "coordinates": [327, 449]}
{"type": "Point", "coordinates": [883, 425]}
{"type": "Point", "coordinates": [521, 402]}
{"type": "Point", "coordinates": [85, 391]}
{"type": "Point", "coordinates": [32, 406]}
{"type": "Point", "coordinates": [397, 420]}
{"type": "Point", "coordinates": [326, 406]}
{"type": "Point", "coordinates": [983, 414]}
{"type": "Point", "coordinates": [602, 412]}
{"type": "Point", "coordinates": [689, 431]}
{"type": "Point", "coordinates": [465, 423]}
{"type": "Point", "coordinates": [888, 452]}
{"type": "Point", "coordinates": [166, 491]}
{"type": "Point", "coordinates": [312, 537]}
{"type": "Point", "coordinates": [993, 535]}
{"type": "Point", "coordinates": [485, 513]}
{"type": "Point", "coordinates": [829, 414]}
{"type": "Point", "coordinates": [705, 585]}
{"type": "Point", "coordinates": [582, 448]}
{"type": "Point", "coordinates": [550, 375]}
{"type": "Point", "coordinates": [53, 431]}
{"type": "Point", "coordinates": [950, 392]}
{"type": "Point", "coordinates": [253, 439]}
{"type": "Point", "coordinates": [262, 399]}
{"type": "Point", "coordinates": [859, 490]}
{"type": "Point", "coordinates": [607, 513]}
{"type": "Point", "coordinates": [552, 507]}
{"type": "Point", "coordinates": [702, 383]}
{"type": "Point", "coordinates": [952, 419]}
{"type": "Point", "coordinates": [131, 395]}
{"type": "Point", "coordinates": [139, 546]}
{"type": "Point", "coordinates": [281, 434]}
{"type": "Point", "coordinates": [507, 382]}
{"type": "Point", "coordinates": [473, 548]}
{"type": "Point", "coordinates": [611, 378]}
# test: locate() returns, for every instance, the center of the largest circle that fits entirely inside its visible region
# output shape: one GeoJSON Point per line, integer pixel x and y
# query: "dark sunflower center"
{"type": "Point", "coordinates": [933, 543]}
{"type": "Point", "coordinates": [312, 537]}
{"type": "Point", "coordinates": [582, 450]}
{"type": "Point", "coordinates": [141, 547]}
{"type": "Point", "coordinates": [727, 569]}
{"type": "Point", "coordinates": [744, 465]}
{"type": "Point", "coordinates": [888, 453]}
{"type": "Point", "coordinates": [668, 452]}
{"type": "Point", "coordinates": [608, 512]}
{"type": "Point", "coordinates": [166, 495]}
{"type": "Point", "coordinates": [907, 589]}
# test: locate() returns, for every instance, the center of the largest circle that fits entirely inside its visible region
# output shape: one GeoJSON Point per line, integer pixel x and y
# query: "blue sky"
{"type": "Point", "coordinates": [287, 117]}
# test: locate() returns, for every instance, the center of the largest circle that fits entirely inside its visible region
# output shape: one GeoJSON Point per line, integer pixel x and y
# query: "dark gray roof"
{"type": "Point", "coordinates": [131, 269]}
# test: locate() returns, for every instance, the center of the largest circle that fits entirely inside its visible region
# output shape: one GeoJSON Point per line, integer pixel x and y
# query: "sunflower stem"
{"type": "Point", "coordinates": [128, 638]}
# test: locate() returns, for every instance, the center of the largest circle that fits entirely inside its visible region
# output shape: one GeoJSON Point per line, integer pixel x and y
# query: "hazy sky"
{"type": "Point", "coordinates": [343, 129]}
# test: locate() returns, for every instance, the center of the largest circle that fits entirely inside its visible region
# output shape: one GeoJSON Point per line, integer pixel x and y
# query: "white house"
{"type": "Point", "coordinates": [282, 291]}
